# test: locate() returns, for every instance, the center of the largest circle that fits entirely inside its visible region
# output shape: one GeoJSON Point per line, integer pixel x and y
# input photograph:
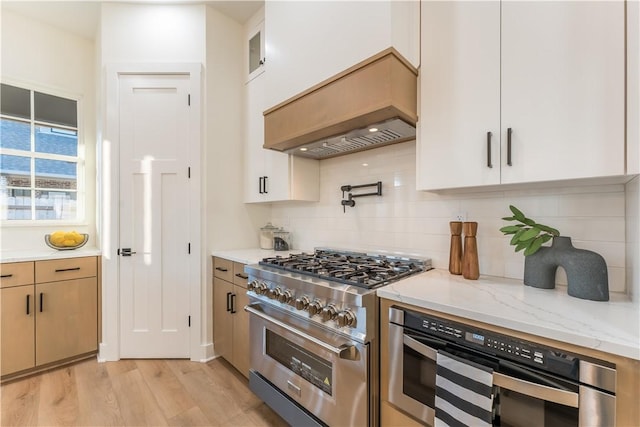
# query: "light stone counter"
{"type": "Point", "coordinates": [612, 327]}
{"type": "Point", "coordinates": [43, 254]}
{"type": "Point", "coordinates": [252, 255]}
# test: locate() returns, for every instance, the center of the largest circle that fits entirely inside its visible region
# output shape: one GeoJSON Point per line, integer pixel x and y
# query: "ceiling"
{"type": "Point", "coordinates": [82, 17]}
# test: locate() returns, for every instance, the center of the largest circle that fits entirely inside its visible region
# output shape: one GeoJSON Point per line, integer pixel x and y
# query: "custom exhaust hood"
{"type": "Point", "coordinates": [371, 104]}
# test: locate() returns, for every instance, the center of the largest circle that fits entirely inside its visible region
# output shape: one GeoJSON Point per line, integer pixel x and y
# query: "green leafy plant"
{"type": "Point", "coordinates": [528, 235]}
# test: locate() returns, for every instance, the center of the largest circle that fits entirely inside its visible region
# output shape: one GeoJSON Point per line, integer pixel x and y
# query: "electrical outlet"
{"type": "Point", "coordinates": [460, 216]}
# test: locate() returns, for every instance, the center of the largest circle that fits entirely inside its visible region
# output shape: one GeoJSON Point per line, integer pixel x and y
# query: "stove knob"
{"type": "Point", "coordinates": [260, 288]}
{"type": "Point", "coordinates": [285, 297]}
{"type": "Point", "coordinates": [301, 303]}
{"type": "Point", "coordinates": [328, 313]}
{"type": "Point", "coordinates": [314, 308]}
{"type": "Point", "coordinates": [252, 285]}
{"type": "Point", "coordinates": [274, 293]}
{"type": "Point", "coordinates": [346, 318]}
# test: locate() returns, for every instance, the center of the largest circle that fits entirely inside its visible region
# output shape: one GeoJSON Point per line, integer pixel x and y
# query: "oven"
{"type": "Point", "coordinates": [320, 371]}
{"type": "Point", "coordinates": [453, 372]}
{"type": "Point", "coordinates": [313, 321]}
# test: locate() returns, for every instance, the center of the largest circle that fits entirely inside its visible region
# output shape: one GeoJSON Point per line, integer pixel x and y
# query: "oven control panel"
{"type": "Point", "coordinates": [499, 345]}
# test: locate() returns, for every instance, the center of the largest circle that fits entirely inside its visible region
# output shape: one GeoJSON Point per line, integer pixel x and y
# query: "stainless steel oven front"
{"type": "Point", "coordinates": [310, 375]}
{"type": "Point", "coordinates": [532, 385]}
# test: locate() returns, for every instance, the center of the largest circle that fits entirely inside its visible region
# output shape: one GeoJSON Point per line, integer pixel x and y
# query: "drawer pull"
{"type": "Point", "coordinates": [6, 276]}
{"type": "Point", "coordinates": [41, 300]}
{"type": "Point", "coordinates": [224, 270]}
{"type": "Point", "coordinates": [60, 270]}
{"type": "Point", "coordinates": [28, 304]}
{"type": "Point", "coordinates": [242, 276]}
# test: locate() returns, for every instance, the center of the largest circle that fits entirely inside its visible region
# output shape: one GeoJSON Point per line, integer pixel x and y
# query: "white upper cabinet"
{"type": "Point", "coordinates": [270, 175]}
{"type": "Point", "coordinates": [256, 51]}
{"type": "Point", "coordinates": [308, 42]}
{"type": "Point", "coordinates": [519, 92]}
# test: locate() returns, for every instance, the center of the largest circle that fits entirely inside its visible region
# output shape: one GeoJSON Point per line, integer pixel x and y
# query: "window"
{"type": "Point", "coordinates": [39, 156]}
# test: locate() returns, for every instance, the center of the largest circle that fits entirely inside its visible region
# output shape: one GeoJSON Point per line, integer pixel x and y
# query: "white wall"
{"type": "Point", "coordinates": [153, 33]}
{"type": "Point", "coordinates": [408, 221]}
{"type": "Point", "coordinates": [633, 237]}
{"type": "Point", "coordinates": [42, 57]}
{"type": "Point", "coordinates": [229, 222]}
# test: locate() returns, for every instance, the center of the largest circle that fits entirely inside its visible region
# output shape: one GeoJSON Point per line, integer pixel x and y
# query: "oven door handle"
{"type": "Point", "coordinates": [542, 392]}
{"type": "Point", "coordinates": [348, 352]}
{"type": "Point", "coordinates": [421, 348]}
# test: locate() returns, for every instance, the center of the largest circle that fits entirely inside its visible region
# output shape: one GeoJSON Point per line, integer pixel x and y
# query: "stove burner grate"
{"type": "Point", "coordinates": [357, 269]}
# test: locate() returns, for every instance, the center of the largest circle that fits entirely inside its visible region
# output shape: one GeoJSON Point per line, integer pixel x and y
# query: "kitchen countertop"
{"type": "Point", "coordinates": [252, 255]}
{"type": "Point", "coordinates": [43, 254]}
{"type": "Point", "coordinates": [612, 327]}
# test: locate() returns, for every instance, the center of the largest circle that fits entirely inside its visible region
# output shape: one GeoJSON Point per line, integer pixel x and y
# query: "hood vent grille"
{"type": "Point", "coordinates": [389, 132]}
{"type": "Point", "coordinates": [334, 117]}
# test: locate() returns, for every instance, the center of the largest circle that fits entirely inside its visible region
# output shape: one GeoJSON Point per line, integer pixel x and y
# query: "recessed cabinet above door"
{"type": "Point", "coordinates": [256, 52]}
{"type": "Point", "coordinates": [519, 92]}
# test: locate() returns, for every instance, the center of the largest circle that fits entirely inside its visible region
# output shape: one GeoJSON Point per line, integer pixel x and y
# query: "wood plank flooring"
{"type": "Point", "coordinates": [135, 393]}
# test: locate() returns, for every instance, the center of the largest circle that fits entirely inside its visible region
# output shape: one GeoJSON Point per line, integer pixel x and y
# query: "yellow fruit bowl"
{"type": "Point", "coordinates": [66, 240]}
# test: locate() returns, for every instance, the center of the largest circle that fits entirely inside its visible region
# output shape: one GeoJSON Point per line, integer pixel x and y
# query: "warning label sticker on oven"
{"type": "Point", "coordinates": [326, 381]}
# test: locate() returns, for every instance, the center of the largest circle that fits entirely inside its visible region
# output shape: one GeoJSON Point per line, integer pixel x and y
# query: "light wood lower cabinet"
{"type": "Point", "coordinates": [49, 313]}
{"type": "Point", "coordinates": [230, 321]}
{"type": "Point", "coordinates": [18, 328]}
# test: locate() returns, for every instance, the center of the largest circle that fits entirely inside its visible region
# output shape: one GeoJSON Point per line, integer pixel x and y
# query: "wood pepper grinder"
{"type": "Point", "coordinates": [470, 269]}
{"type": "Point", "coordinates": [455, 250]}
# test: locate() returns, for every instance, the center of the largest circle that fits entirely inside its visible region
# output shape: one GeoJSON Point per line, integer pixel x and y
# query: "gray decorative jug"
{"type": "Point", "coordinates": [586, 270]}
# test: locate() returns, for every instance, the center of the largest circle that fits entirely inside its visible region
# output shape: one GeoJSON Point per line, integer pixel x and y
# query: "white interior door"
{"type": "Point", "coordinates": [154, 224]}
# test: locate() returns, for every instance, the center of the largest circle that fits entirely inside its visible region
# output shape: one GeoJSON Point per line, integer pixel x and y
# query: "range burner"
{"type": "Point", "coordinates": [351, 268]}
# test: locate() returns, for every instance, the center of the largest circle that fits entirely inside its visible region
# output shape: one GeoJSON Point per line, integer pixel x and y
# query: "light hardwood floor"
{"type": "Point", "coordinates": [135, 393]}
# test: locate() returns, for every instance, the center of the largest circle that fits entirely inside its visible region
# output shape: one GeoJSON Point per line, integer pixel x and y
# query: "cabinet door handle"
{"type": "Point", "coordinates": [228, 301]}
{"type": "Point", "coordinates": [265, 184]}
{"type": "Point", "coordinates": [489, 164]}
{"type": "Point", "coordinates": [28, 304]}
{"type": "Point", "coordinates": [233, 303]}
{"type": "Point", "coordinates": [60, 270]}
{"type": "Point", "coordinates": [509, 132]}
{"type": "Point", "coordinates": [242, 276]}
{"type": "Point", "coordinates": [6, 276]}
{"type": "Point", "coordinates": [221, 269]}
{"type": "Point", "coordinates": [41, 301]}
{"type": "Point", "coordinates": [260, 185]}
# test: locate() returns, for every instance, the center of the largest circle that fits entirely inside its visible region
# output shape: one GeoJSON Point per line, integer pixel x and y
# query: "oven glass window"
{"type": "Point", "coordinates": [309, 366]}
{"type": "Point", "coordinates": [419, 377]}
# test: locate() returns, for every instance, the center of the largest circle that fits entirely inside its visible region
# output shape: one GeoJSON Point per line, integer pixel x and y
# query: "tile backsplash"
{"type": "Point", "coordinates": [416, 222]}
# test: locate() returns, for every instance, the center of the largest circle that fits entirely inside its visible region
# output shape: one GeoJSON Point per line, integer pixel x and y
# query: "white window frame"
{"type": "Point", "coordinates": [80, 160]}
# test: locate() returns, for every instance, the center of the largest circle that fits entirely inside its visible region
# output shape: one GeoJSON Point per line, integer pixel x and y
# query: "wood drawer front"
{"type": "Point", "coordinates": [223, 269]}
{"type": "Point", "coordinates": [65, 269]}
{"type": "Point", "coordinates": [16, 274]}
{"type": "Point", "coordinates": [239, 276]}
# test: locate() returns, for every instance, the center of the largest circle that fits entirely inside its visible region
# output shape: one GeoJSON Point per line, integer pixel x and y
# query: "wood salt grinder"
{"type": "Point", "coordinates": [470, 269]}
{"type": "Point", "coordinates": [455, 251]}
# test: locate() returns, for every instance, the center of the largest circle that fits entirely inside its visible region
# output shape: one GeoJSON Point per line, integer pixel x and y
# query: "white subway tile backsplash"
{"type": "Point", "coordinates": [414, 222]}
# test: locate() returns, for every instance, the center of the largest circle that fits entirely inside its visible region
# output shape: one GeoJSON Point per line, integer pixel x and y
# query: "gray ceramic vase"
{"type": "Point", "coordinates": [586, 270]}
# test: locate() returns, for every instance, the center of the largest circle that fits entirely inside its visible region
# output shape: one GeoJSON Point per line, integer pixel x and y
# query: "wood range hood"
{"type": "Point", "coordinates": [371, 104]}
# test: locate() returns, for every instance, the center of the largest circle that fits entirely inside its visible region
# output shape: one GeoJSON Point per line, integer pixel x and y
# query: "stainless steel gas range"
{"type": "Point", "coordinates": [313, 326]}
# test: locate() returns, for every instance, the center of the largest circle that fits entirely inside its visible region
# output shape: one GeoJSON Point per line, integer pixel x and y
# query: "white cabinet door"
{"type": "Point", "coordinates": [563, 83]}
{"type": "Point", "coordinates": [550, 74]}
{"type": "Point", "coordinates": [270, 175]}
{"type": "Point", "coordinates": [460, 95]}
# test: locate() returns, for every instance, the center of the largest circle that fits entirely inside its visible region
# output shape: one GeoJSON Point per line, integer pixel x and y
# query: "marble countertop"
{"type": "Point", "coordinates": [42, 254]}
{"type": "Point", "coordinates": [251, 255]}
{"type": "Point", "coordinates": [612, 327]}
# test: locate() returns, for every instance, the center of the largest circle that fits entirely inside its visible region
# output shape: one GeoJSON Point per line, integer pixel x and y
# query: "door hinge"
{"type": "Point", "coordinates": [189, 248]}
{"type": "Point", "coordinates": [189, 99]}
{"type": "Point", "coordinates": [189, 172]}
{"type": "Point", "coordinates": [189, 320]}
